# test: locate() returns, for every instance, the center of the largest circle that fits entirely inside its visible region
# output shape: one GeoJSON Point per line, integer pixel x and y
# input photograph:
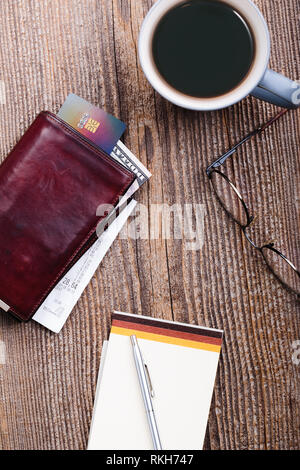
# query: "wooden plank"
{"type": "Point", "coordinates": [47, 381]}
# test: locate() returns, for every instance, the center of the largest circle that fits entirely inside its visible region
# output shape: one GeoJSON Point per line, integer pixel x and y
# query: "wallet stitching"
{"type": "Point", "coordinates": [90, 233]}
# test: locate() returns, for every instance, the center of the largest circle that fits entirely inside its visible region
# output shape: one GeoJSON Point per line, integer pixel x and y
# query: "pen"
{"type": "Point", "coordinates": [147, 391]}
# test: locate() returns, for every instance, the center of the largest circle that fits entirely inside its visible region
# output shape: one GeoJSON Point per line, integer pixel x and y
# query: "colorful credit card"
{"type": "Point", "coordinates": [92, 122]}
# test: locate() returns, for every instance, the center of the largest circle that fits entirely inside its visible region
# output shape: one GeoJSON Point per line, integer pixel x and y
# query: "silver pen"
{"type": "Point", "coordinates": [147, 391]}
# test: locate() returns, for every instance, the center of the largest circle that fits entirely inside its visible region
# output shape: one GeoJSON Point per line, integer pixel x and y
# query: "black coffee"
{"type": "Point", "coordinates": [203, 48]}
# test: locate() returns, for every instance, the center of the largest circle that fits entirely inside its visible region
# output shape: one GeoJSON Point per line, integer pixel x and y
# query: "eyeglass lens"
{"type": "Point", "coordinates": [282, 269]}
{"type": "Point", "coordinates": [228, 196]}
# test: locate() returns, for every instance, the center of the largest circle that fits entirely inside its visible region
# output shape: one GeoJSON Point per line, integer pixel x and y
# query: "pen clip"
{"type": "Point", "coordinates": [149, 381]}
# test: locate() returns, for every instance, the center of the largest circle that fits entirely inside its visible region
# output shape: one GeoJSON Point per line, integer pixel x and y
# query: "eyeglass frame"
{"type": "Point", "coordinates": [213, 168]}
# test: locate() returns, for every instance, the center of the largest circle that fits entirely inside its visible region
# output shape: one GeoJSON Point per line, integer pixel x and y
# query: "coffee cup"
{"type": "Point", "coordinates": [255, 78]}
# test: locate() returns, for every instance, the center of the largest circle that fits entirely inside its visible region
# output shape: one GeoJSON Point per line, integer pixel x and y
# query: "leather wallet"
{"type": "Point", "coordinates": [51, 185]}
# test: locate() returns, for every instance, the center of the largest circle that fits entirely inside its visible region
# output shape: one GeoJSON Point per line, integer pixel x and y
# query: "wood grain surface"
{"type": "Point", "coordinates": [47, 382]}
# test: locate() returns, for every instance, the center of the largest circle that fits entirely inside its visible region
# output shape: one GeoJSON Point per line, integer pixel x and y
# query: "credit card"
{"type": "Point", "coordinates": [92, 122]}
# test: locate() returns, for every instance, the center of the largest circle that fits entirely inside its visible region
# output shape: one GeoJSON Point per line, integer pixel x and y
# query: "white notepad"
{"type": "Point", "coordinates": [182, 361]}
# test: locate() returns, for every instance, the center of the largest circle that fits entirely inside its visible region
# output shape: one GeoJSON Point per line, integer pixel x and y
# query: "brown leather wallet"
{"type": "Point", "coordinates": [50, 187]}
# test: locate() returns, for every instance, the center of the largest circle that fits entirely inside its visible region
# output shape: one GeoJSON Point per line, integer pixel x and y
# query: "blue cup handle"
{"type": "Point", "coordinates": [278, 89]}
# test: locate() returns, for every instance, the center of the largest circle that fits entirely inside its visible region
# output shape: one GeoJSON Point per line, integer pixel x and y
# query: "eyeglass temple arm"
{"type": "Point", "coordinates": [222, 159]}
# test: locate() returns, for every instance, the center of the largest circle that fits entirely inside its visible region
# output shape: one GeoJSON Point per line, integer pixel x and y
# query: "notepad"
{"type": "Point", "coordinates": [182, 360]}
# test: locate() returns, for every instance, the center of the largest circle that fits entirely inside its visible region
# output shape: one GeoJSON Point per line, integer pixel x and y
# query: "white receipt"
{"type": "Point", "coordinates": [55, 310]}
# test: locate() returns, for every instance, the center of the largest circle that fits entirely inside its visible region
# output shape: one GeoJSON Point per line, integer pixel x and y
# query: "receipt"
{"type": "Point", "coordinates": [57, 307]}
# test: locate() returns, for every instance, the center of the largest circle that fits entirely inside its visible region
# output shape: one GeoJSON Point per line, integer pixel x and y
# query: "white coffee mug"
{"type": "Point", "coordinates": [261, 82]}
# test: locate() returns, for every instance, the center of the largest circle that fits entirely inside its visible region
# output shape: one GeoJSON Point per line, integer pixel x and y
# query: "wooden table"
{"type": "Point", "coordinates": [47, 382]}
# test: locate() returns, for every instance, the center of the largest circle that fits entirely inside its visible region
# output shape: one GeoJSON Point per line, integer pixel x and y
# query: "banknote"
{"type": "Point", "coordinates": [124, 156]}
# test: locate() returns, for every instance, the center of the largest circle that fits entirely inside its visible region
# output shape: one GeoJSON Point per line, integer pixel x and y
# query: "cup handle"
{"type": "Point", "coordinates": [278, 89]}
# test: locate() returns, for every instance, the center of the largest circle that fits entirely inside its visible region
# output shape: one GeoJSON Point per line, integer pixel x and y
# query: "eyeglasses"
{"type": "Point", "coordinates": [233, 203]}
